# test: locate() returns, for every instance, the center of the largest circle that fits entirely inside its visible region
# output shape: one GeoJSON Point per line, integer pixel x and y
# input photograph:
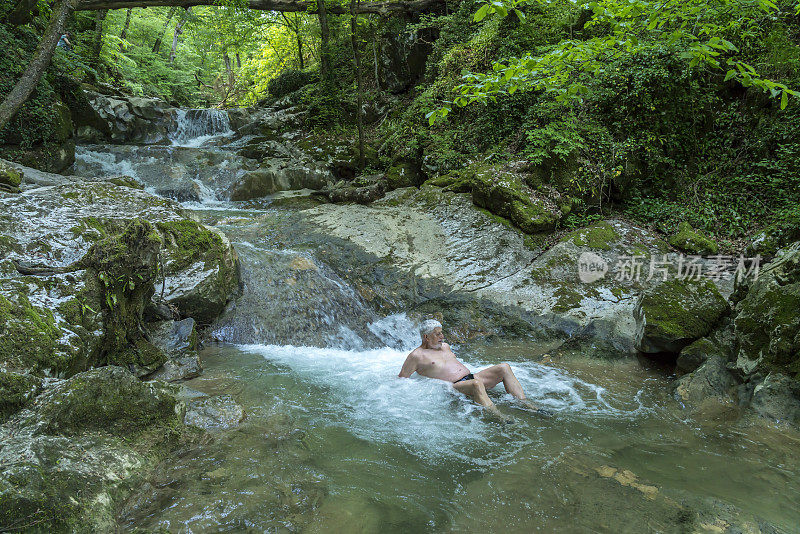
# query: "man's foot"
{"type": "Point", "coordinates": [531, 406]}
{"type": "Point", "coordinates": [497, 415]}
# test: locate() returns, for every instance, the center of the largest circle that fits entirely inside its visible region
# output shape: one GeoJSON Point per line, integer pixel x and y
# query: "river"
{"type": "Point", "coordinates": [334, 442]}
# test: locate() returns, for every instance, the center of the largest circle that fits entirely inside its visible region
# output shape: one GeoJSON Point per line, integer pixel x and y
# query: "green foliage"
{"type": "Point", "coordinates": [323, 103]}
{"type": "Point", "coordinates": [36, 122]}
{"type": "Point", "coordinates": [700, 32]}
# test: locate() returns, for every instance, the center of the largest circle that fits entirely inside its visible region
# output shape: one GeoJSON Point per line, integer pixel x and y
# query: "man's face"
{"type": "Point", "coordinates": [435, 338]}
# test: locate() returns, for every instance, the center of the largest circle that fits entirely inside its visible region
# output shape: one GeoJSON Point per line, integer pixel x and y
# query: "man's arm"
{"type": "Point", "coordinates": [409, 366]}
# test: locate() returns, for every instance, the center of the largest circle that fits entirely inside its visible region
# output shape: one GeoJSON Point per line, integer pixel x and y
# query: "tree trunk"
{"type": "Point", "coordinates": [178, 30]}
{"type": "Point", "coordinates": [359, 99]}
{"type": "Point", "coordinates": [375, 38]}
{"type": "Point", "coordinates": [124, 34]}
{"type": "Point", "coordinates": [299, 40]}
{"type": "Point", "coordinates": [325, 35]}
{"type": "Point", "coordinates": [229, 70]}
{"type": "Point", "coordinates": [97, 40]}
{"type": "Point", "coordinates": [44, 53]}
{"type": "Point", "coordinates": [157, 45]}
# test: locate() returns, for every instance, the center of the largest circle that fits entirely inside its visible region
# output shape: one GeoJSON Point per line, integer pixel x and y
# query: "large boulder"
{"type": "Point", "coordinates": [201, 269]}
{"type": "Point", "coordinates": [692, 241]}
{"type": "Point", "coordinates": [118, 119]}
{"type": "Point", "coordinates": [674, 313]}
{"type": "Point", "coordinates": [69, 459]}
{"type": "Point", "coordinates": [766, 322]}
{"type": "Point", "coordinates": [428, 245]}
{"type": "Point", "coordinates": [711, 379]}
{"type": "Point", "coordinates": [777, 397]}
{"type": "Point", "coordinates": [78, 263]}
{"type": "Point", "coordinates": [403, 56]}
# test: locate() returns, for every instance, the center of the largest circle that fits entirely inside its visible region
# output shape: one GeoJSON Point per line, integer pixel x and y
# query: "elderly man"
{"type": "Point", "coordinates": [434, 359]}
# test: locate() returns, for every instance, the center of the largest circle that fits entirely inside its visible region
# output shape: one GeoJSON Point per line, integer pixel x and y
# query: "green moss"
{"type": "Point", "coordinates": [15, 391]}
{"type": "Point", "coordinates": [109, 399]}
{"type": "Point", "coordinates": [125, 266]}
{"type": "Point", "coordinates": [567, 298]}
{"type": "Point", "coordinates": [71, 195]}
{"type": "Point", "coordinates": [601, 236]}
{"type": "Point", "coordinates": [402, 175]}
{"type": "Point", "coordinates": [47, 505]}
{"type": "Point", "coordinates": [505, 193]}
{"type": "Point", "coordinates": [683, 309]}
{"type": "Point", "coordinates": [9, 176]}
{"type": "Point", "coordinates": [127, 181]}
{"type": "Point", "coordinates": [28, 336]}
{"type": "Point", "coordinates": [457, 181]}
{"type": "Point", "coordinates": [191, 241]}
{"type": "Point", "coordinates": [692, 241]}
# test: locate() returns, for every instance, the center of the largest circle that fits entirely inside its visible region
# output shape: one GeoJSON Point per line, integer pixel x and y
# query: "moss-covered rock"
{"type": "Point", "coordinates": [110, 399]}
{"type": "Point", "coordinates": [766, 323]}
{"type": "Point", "coordinates": [601, 235]}
{"type": "Point", "coordinates": [402, 175]}
{"type": "Point", "coordinates": [674, 313]}
{"type": "Point", "coordinates": [28, 335]}
{"type": "Point", "coordinates": [9, 176]}
{"type": "Point", "coordinates": [100, 250]}
{"type": "Point", "coordinates": [201, 269]}
{"type": "Point", "coordinates": [72, 456]}
{"type": "Point", "coordinates": [505, 193]}
{"type": "Point", "coordinates": [16, 390]}
{"type": "Point", "coordinates": [126, 265]}
{"type": "Point", "coordinates": [692, 241]}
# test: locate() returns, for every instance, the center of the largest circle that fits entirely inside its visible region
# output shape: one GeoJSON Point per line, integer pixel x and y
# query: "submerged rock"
{"type": "Point", "coordinates": [709, 380]}
{"type": "Point", "coordinates": [777, 398]}
{"type": "Point", "coordinates": [214, 413]}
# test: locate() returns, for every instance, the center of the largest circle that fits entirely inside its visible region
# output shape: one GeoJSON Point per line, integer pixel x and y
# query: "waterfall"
{"type": "Point", "coordinates": [196, 126]}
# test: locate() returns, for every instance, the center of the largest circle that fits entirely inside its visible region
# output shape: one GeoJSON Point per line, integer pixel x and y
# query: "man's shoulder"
{"type": "Point", "coordinates": [416, 353]}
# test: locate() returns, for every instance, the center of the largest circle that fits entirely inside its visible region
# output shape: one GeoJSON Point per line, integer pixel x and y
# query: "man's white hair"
{"type": "Point", "coordinates": [429, 326]}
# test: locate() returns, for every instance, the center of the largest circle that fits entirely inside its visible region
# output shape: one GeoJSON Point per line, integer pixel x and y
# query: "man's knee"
{"type": "Point", "coordinates": [506, 368]}
{"type": "Point", "coordinates": [477, 385]}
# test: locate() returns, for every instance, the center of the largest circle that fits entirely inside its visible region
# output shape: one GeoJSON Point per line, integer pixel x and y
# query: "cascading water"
{"type": "Point", "coordinates": [195, 127]}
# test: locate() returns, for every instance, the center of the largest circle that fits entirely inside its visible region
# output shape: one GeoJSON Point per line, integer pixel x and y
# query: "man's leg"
{"type": "Point", "coordinates": [476, 390]}
{"type": "Point", "coordinates": [491, 376]}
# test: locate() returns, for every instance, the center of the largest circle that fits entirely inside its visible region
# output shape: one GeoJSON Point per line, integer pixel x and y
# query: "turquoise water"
{"type": "Point", "coordinates": [333, 442]}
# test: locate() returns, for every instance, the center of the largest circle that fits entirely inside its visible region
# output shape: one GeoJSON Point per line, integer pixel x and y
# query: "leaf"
{"type": "Point", "coordinates": [784, 100]}
{"type": "Point", "coordinates": [730, 74]}
{"type": "Point", "coordinates": [520, 15]}
{"type": "Point", "coordinates": [482, 12]}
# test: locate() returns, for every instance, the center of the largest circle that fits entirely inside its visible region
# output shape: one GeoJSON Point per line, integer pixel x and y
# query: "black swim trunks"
{"type": "Point", "coordinates": [468, 377]}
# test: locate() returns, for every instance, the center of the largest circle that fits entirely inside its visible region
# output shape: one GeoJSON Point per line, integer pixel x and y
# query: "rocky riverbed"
{"type": "Point", "coordinates": [240, 228]}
